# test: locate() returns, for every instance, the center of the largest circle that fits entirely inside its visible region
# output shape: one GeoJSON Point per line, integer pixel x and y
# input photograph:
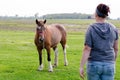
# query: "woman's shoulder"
{"type": "Point", "coordinates": [112, 25]}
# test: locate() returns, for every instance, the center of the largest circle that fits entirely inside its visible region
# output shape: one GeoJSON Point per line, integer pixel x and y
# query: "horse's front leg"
{"type": "Point", "coordinates": [40, 59]}
{"type": "Point", "coordinates": [49, 60]}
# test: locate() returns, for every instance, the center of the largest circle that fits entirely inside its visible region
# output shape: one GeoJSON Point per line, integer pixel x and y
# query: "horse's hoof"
{"type": "Point", "coordinates": [55, 65]}
{"type": "Point", "coordinates": [40, 68]}
{"type": "Point", "coordinates": [50, 70]}
{"type": "Point", "coordinates": [66, 64]}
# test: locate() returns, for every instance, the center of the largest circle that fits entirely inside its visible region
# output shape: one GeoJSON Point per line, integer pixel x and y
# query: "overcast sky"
{"type": "Point", "coordinates": [30, 7]}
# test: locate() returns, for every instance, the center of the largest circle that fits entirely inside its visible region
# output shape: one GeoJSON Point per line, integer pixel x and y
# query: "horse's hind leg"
{"type": "Point", "coordinates": [56, 56]}
{"type": "Point", "coordinates": [65, 55]}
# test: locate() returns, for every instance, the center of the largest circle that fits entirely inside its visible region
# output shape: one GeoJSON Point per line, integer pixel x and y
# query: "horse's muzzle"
{"type": "Point", "coordinates": [41, 37]}
{"type": "Point", "coordinates": [41, 40]}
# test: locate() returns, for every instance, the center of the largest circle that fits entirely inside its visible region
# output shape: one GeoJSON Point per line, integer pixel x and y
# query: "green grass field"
{"type": "Point", "coordinates": [19, 58]}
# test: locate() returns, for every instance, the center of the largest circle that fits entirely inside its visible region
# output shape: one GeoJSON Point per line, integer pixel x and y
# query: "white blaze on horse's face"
{"type": "Point", "coordinates": [38, 27]}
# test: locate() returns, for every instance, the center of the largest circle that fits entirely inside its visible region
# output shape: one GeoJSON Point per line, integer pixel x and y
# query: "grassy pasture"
{"type": "Point", "coordinates": [19, 58]}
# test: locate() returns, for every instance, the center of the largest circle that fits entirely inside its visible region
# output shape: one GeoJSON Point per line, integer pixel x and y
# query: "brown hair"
{"type": "Point", "coordinates": [102, 10]}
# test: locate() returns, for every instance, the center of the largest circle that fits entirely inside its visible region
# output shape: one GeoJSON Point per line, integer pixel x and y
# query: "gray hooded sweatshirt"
{"type": "Point", "coordinates": [101, 37]}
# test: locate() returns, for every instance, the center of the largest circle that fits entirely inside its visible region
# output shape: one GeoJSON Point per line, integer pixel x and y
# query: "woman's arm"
{"type": "Point", "coordinates": [85, 56]}
{"type": "Point", "coordinates": [116, 48]}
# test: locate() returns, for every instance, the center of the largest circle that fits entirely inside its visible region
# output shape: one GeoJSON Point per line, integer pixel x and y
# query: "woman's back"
{"type": "Point", "coordinates": [101, 41]}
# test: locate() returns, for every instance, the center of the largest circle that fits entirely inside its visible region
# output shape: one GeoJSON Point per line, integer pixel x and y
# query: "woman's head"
{"type": "Point", "coordinates": [102, 10]}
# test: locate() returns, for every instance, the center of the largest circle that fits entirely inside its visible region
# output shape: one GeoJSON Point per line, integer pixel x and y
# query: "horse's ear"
{"type": "Point", "coordinates": [37, 21]}
{"type": "Point", "coordinates": [45, 21]}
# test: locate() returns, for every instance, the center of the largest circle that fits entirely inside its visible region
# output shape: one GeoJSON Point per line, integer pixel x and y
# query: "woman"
{"type": "Point", "coordinates": [101, 47]}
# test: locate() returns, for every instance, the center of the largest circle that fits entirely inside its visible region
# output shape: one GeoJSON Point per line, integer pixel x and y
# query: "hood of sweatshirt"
{"type": "Point", "coordinates": [102, 29]}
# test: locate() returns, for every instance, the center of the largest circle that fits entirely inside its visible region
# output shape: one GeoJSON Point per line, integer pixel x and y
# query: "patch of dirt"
{"type": "Point", "coordinates": [16, 28]}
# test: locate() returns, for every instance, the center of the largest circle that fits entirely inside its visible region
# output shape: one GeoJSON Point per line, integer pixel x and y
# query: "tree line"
{"type": "Point", "coordinates": [54, 16]}
{"type": "Point", "coordinates": [67, 16]}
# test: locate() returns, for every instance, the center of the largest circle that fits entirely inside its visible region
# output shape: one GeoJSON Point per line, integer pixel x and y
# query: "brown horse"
{"type": "Point", "coordinates": [47, 37]}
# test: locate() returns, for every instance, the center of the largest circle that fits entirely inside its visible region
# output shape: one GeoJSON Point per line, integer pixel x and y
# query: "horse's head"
{"type": "Point", "coordinates": [40, 29]}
